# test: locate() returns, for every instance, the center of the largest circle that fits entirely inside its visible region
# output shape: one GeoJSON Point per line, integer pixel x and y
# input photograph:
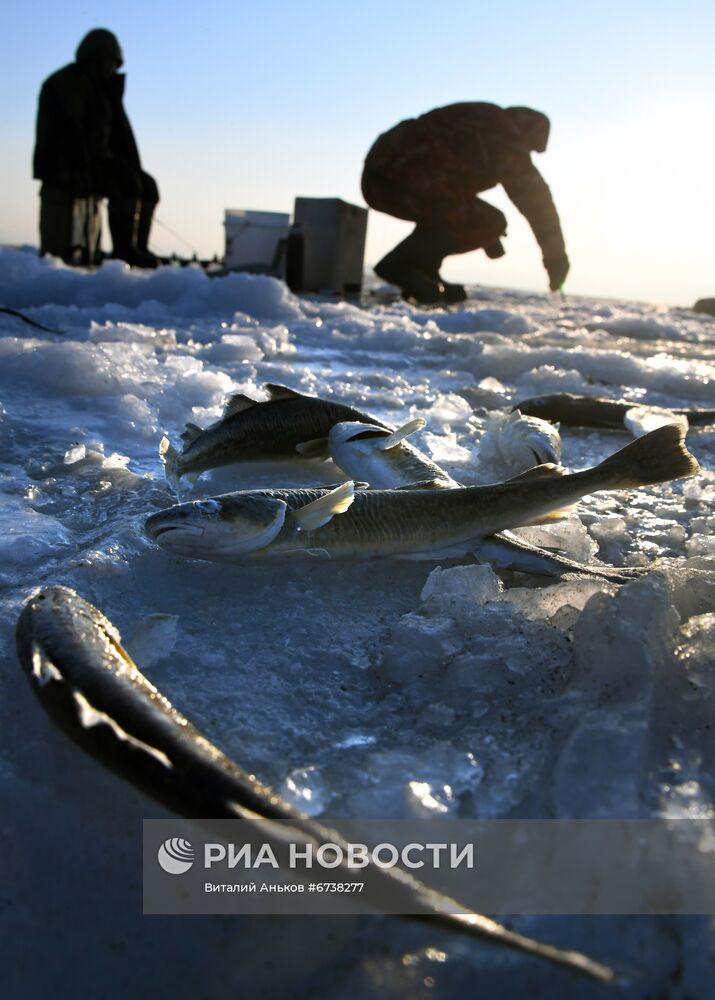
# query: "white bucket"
{"type": "Point", "coordinates": [252, 239]}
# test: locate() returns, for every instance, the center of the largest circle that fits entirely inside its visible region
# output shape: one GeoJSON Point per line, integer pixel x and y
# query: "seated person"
{"type": "Point", "coordinates": [85, 145]}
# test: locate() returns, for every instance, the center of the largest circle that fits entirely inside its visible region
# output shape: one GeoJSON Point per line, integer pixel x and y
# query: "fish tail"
{"type": "Point", "coordinates": [170, 458]}
{"type": "Point", "coordinates": [655, 458]}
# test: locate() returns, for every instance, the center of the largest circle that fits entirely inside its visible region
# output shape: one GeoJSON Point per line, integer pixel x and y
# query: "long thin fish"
{"type": "Point", "coordinates": [94, 692]}
{"type": "Point", "coordinates": [404, 523]}
{"type": "Point", "coordinates": [389, 461]}
{"type": "Point", "coordinates": [596, 411]}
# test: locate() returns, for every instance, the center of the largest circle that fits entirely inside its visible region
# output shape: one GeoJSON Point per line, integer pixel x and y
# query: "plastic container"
{"type": "Point", "coordinates": [255, 240]}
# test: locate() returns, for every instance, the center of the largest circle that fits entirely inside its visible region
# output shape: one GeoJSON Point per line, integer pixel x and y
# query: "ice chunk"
{"type": "Point", "coordinates": [700, 545]}
{"type": "Point", "coordinates": [568, 536]}
{"type": "Point", "coordinates": [546, 602]}
{"type": "Point", "coordinates": [460, 586]}
{"type": "Point", "coordinates": [425, 783]}
{"type": "Point", "coordinates": [307, 789]}
{"type": "Point", "coordinates": [27, 536]}
{"type": "Point", "coordinates": [697, 653]}
{"type": "Point", "coordinates": [234, 348]}
{"type": "Point", "coordinates": [427, 800]}
{"type": "Point", "coordinates": [622, 642]}
{"type": "Point", "coordinates": [612, 534]}
{"type": "Point", "coordinates": [602, 767]}
{"type": "Point", "coordinates": [418, 648]}
{"type": "Point", "coordinates": [74, 455]}
{"type": "Point", "coordinates": [445, 450]}
{"type": "Point", "coordinates": [448, 410]}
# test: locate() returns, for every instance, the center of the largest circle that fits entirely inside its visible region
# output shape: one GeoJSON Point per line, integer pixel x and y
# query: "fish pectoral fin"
{"type": "Point", "coordinates": [43, 669]}
{"type": "Point", "coordinates": [237, 404]}
{"type": "Point", "coordinates": [547, 470]}
{"type": "Point", "coordinates": [315, 448]}
{"type": "Point", "coordinates": [553, 515]}
{"type": "Point", "coordinates": [190, 433]}
{"type": "Point", "coordinates": [356, 484]}
{"type": "Point", "coordinates": [321, 511]}
{"type": "Point", "coordinates": [301, 553]}
{"type": "Point", "coordinates": [281, 391]}
{"type": "Point", "coordinates": [152, 639]}
{"type": "Point", "coordinates": [392, 440]}
{"type": "Point", "coordinates": [425, 484]}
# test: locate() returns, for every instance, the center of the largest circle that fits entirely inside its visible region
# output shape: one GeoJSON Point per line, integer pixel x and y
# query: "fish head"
{"type": "Point", "coordinates": [220, 529]}
{"type": "Point", "coordinates": [352, 444]}
{"type": "Point", "coordinates": [528, 441]}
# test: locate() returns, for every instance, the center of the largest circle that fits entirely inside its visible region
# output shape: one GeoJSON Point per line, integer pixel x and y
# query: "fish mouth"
{"type": "Point", "coordinates": [184, 529]}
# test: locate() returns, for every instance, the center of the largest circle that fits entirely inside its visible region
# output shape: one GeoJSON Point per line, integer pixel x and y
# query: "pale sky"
{"type": "Point", "coordinates": [241, 104]}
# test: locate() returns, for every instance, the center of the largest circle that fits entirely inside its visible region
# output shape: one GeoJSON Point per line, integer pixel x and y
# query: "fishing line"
{"type": "Point", "coordinates": [176, 235]}
{"type": "Point", "coordinates": [26, 319]}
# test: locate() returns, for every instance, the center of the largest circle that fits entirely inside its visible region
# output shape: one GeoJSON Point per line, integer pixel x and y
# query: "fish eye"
{"type": "Point", "coordinates": [208, 506]}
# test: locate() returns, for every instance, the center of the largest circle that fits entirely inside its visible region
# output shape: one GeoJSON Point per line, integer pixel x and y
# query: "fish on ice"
{"type": "Point", "coordinates": [385, 459]}
{"type": "Point", "coordinates": [92, 691]}
{"type": "Point", "coordinates": [286, 425]}
{"type": "Point", "coordinates": [389, 461]}
{"type": "Point", "coordinates": [412, 523]}
{"type": "Point", "coordinates": [610, 414]}
{"type": "Point", "coordinates": [521, 441]}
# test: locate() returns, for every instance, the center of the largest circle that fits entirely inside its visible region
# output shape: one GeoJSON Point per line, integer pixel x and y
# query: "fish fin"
{"type": "Point", "coordinates": [547, 470]}
{"type": "Point", "coordinates": [509, 552]}
{"type": "Point", "coordinates": [152, 639]}
{"type": "Point", "coordinates": [300, 553]}
{"type": "Point", "coordinates": [237, 404]}
{"type": "Point", "coordinates": [190, 433]}
{"type": "Point", "coordinates": [426, 484]}
{"type": "Point", "coordinates": [315, 448]}
{"type": "Point", "coordinates": [281, 391]}
{"type": "Point", "coordinates": [333, 486]}
{"type": "Point", "coordinates": [655, 458]}
{"type": "Point", "coordinates": [553, 515]}
{"type": "Point", "coordinates": [392, 440]}
{"type": "Point", "coordinates": [43, 668]}
{"type": "Point", "coordinates": [319, 512]}
{"type": "Point", "coordinates": [170, 457]}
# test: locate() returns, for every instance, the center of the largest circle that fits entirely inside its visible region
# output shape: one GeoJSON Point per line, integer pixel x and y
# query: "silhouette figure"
{"type": "Point", "coordinates": [429, 170]}
{"type": "Point", "coordinates": [85, 147]}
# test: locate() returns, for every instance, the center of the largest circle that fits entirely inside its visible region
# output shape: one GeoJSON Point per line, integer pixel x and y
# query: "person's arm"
{"type": "Point", "coordinates": [61, 155]}
{"type": "Point", "coordinates": [44, 158]}
{"type": "Point", "coordinates": [528, 190]}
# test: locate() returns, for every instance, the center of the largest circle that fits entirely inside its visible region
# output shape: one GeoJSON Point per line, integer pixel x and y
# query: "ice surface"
{"type": "Point", "coordinates": [356, 689]}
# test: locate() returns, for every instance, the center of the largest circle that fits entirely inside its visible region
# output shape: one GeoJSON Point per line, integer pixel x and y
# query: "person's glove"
{"type": "Point", "coordinates": [557, 268]}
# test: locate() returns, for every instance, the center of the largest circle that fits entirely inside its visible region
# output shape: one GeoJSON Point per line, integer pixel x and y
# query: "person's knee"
{"type": "Point", "coordinates": [149, 188]}
{"type": "Point", "coordinates": [121, 180]}
{"type": "Point", "coordinates": [482, 227]}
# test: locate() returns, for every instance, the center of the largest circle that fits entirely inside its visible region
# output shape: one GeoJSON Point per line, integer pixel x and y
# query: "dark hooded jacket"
{"type": "Point", "coordinates": [426, 169]}
{"type": "Point", "coordinates": [82, 127]}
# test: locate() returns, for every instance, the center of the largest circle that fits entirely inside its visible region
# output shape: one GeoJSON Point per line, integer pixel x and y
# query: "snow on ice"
{"type": "Point", "coordinates": [357, 689]}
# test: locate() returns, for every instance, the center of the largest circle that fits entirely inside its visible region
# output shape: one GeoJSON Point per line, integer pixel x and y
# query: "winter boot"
{"type": "Point", "coordinates": [124, 215]}
{"type": "Point", "coordinates": [414, 266]}
{"type": "Point", "coordinates": [146, 214]}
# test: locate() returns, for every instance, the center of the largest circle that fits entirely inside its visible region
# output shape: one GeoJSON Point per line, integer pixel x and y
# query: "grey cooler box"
{"type": "Point", "coordinates": [334, 244]}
